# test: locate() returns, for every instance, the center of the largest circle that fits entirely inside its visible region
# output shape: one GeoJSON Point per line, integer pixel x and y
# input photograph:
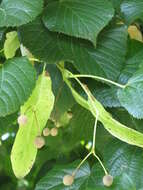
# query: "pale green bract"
{"type": "Point", "coordinates": [24, 152]}
{"type": "Point", "coordinates": [114, 127]}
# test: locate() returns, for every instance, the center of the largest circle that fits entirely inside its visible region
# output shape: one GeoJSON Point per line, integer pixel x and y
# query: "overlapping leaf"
{"type": "Point", "coordinates": [131, 96]}
{"type": "Point", "coordinates": [63, 97]}
{"type": "Point", "coordinates": [106, 60]}
{"type": "Point", "coordinates": [17, 80]}
{"type": "Point", "coordinates": [40, 103]}
{"type": "Point", "coordinates": [132, 10]}
{"type": "Point", "coordinates": [16, 13]}
{"type": "Point", "coordinates": [83, 19]}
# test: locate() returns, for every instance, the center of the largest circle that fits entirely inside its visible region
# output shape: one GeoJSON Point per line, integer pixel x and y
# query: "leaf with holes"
{"type": "Point", "coordinates": [82, 19]}
{"type": "Point", "coordinates": [37, 109]}
{"type": "Point", "coordinates": [17, 80]}
{"type": "Point", "coordinates": [16, 13]}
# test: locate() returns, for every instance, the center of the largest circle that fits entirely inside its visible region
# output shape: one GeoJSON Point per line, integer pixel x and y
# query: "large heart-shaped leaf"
{"type": "Point", "coordinates": [106, 60]}
{"type": "Point", "coordinates": [24, 150]}
{"type": "Point", "coordinates": [132, 10]}
{"type": "Point", "coordinates": [16, 13]}
{"type": "Point", "coordinates": [17, 80]}
{"type": "Point", "coordinates": [131, 96]}
{"type": "Point", "coordinates": [83, 19]}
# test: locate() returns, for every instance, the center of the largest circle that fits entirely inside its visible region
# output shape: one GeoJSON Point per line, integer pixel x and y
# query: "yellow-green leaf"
{"type": "Point", "coordinates": [11, 44]}
{"type": "Point", "coordinates": [24, 151]}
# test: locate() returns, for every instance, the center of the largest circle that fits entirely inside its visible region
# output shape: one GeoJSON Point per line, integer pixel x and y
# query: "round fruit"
{"type": "Point", "coordinates": [68, 180]}
{"type": "Point", "coordinates": [54, 132]}
{"type": "Point", "coordinates": [39, 142]}
{"type": "Point", "coordinates": [107, 180]}
{"type": "Point", "coordinates": [22, 120]}
{"type": "Point", "coordinates": [46, 132]}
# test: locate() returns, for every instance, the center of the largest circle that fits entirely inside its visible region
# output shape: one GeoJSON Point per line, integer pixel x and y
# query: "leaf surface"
{"type": "Point", "coordinates": [24, 151]}
{"type": "Point", "coordinates": [17, 80]}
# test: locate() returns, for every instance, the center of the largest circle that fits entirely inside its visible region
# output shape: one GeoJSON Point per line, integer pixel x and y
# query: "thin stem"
{"type": "Point", "coordinates": [34, 59]}
{"type": "Point", "coordinates": [106, 173]}
{"type": "Point", "coordinates": [78, 167]}
{"type": "Point", "coordinates": [94, 133]}
{"type": "Point", "coordinates": [37, 123]}
{"type": "Point", "coordinates": [98, 78]}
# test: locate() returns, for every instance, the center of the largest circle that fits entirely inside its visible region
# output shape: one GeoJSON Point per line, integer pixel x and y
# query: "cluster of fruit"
{"type": "Point", "coordinates": [39, 140]}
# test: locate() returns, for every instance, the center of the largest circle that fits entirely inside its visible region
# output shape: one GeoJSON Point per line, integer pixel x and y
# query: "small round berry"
{"type": "Point", "coordinates": [68, 180]}
{"type": "Point", "coordinates": [39, 142]}
{"type": "Point", "coordinates": [46, 132]}
{"type": "Point", "coordinates": [107, 180]}
{"type": "Point", "coordinates": [54, 132]}
{"type": "Point", "coordinates": [22, 120]}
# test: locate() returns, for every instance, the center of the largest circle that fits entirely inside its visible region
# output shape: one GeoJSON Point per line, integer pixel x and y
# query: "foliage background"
{"type": "Point", "coordinates": [97, 37]}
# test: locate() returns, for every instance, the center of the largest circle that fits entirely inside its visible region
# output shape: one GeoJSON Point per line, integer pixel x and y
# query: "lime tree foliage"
{"type": "Point", "coordinates": [71, 95]}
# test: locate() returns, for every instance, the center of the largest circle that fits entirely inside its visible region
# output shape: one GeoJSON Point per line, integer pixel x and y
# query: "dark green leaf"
{"type": "Point", "coordinates": [107, 96]}
{"type": "Point", "coordinates": [17, 80]}
{"type": "Point", "coordinates": [131, 96]}
{"type": "Point", "coordinates": [83, 19]}
{"type": "Point", "coordinates": [134, 58]}
{"type": "Point", "coordinates": [132, 10]}
{"type": "Point", "coordinates": [16, 13]}
{"type": "Point", "coordinates": [54, 179]}
{"type": "Point", "coordinates": [63, 97]}
{"type": "Point", "coordinates": [105, 60]}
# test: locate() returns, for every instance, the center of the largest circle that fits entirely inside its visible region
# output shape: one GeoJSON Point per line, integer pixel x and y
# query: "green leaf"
{"type": "Point", "coordinates": [2, 30]}
{"type": "Point", "coordinates": [134, 59]}
{"type": "Point", "coordinates": [17, 80]}
{"type": "Point", "coordinates": [16, 13]}
{"type": "Point", "coordinates": [116, 4]}
{"type": "Point", "coordinates": [131, 96]}
{"type": "Point", "coordinates": [107, 96]}
{"type": "Point", "coordinates": [121, 158]}
{"type": "Point", "coordinates": [80, 126]}
{"type": "Point", "coordinates": [11, 44]}
{"type": "Point", "coordinates": [132, 10]}
{"type": "Point", "coordinates": [121, 182]}
{"type": "Point", "coordinates": [82, 19]}
{"type": "Point", "coordinates": [106, 60]}
{"type": "Point", "coordinates": [54, 179]}
{"type": "Point", "coordinates": [40, 103]}
{"type": "Point", "coordinates": [63, 97]}
{"type": "Point", "coordinates": [5, 122]}
{"type": "Point", "coordinates": [114, 127]}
